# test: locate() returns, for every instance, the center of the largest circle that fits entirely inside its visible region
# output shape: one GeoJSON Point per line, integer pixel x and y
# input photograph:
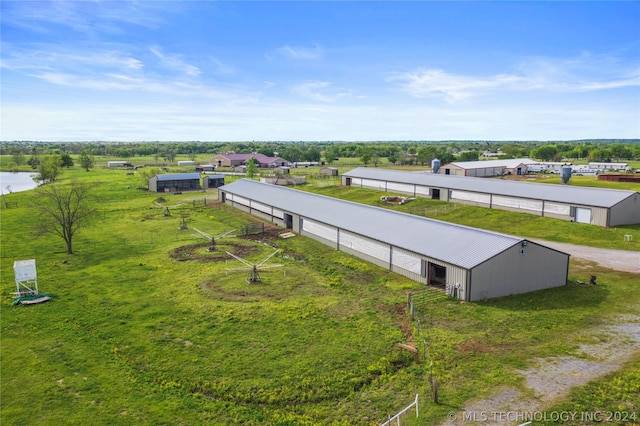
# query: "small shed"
{"type": "Point", "coordinates": [113, 164]}
{"type": "Point", "coordinates": [329, 171]}
{"type": "Point", "coordinates": [205, 168]}
{"type": "Point", "coordinates": [186, 163]}
{"type": "Point", "coordinates": [174, 182]}
{"type": "Point", "coordinates": [212, 181]}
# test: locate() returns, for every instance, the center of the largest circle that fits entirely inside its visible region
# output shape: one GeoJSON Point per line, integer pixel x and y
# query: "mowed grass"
{"type": "Point", "coordinates": [148, 327]}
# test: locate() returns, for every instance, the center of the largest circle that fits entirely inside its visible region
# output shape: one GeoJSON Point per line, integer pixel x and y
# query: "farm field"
{"type": "Point", "coordinates": [149, 327]}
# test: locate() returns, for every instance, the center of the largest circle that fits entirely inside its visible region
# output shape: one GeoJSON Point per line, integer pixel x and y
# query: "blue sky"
{"type": "Point", "coordinates": [317, 71]}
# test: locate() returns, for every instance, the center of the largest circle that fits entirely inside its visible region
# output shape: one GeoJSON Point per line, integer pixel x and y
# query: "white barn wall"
{"type": "Point", "coordinates": [324, 233]}
{"type": "Point", "coordinates": [516, 204]}
{"type": "Point", "coordinates": [365, 248]}
{"type": "Point", "coordinates": [472, 198]}
{"type": "Point", "coordinates": [404, 188]}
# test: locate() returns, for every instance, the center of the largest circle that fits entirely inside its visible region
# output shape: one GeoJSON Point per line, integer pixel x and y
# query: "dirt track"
{"type": "Point", "coordinates": [620, 260]}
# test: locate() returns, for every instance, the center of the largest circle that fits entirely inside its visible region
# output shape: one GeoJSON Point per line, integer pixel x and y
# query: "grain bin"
{"type": "Point", "coordinates": [435, 165]}
{"type": "Point", "coordinates": [565, 174]}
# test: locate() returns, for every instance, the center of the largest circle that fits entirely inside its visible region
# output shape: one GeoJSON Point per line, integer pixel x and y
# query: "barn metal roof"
{"type": "Point", "coordinates": [568, 194]}
{"type": "Point", "coordinates": [483, 164]}
{"type": "Point", "coordinates": [179, 176]}
{"type": "Point", "coordinates": [454, 244]}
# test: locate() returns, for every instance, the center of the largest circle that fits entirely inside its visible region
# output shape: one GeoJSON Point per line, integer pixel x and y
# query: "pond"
{"type": "Point", "coordinates": [17, 182]}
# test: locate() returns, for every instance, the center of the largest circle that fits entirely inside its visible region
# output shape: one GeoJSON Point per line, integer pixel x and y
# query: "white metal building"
{"type": "Point", "coordinates": [471, 264]}
{"type": "Point", "coordinates": [597, 206]}
{"type": "Point", "coordinates": [488, 168]}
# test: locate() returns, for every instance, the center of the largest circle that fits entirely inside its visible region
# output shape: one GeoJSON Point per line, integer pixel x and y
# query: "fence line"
{"type": "Point", "coordinates": [404, 410]}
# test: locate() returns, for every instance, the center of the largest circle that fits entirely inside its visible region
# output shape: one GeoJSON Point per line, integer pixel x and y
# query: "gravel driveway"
{"type": "Point", "coordinates": [553, 377]}
{"type": "Point", "coordinates": [620, 260]}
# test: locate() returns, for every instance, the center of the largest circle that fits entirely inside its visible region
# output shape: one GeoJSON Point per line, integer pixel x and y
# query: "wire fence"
{"type": "Point", "coordinates": [418, 309]}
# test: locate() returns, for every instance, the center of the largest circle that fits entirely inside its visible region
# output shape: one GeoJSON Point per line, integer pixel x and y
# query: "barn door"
{"type": "Point", "coordinates": [583, 215]}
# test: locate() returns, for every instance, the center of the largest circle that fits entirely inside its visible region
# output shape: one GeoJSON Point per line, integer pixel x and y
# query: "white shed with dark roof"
{"type": "Point", "coordinates": [471, 264]}
{"type": "Point", "coordinates": [596, 206]}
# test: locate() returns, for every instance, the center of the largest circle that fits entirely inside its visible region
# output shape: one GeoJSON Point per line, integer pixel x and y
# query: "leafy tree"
{"type": "Point", "coordinates": [545, 152]}
{"type": "Point", "coordinates": [86, 160]}
{"type": "Point", "coordinates": [393, 158]}
{"type": "Point", "coordinates": [49, 168]}
{"type": "Point", "coordinates": [34, 161]}
{"type": "Point", "coordinates": [252, 167]}
{"type": "Point", "coordinates": [366, 156]}
{"type": "Point", "coordinates": [312, 154]}
{"type": "Point", "coordinates": [469, 156]}
{"type": "Point", "coordinates": [66, 160]}
{"type": "Point", "coordinates": [65, 209]}
{"type": "Point", "coordinates": [331, 153]}
{"type": "Point", "coordinates": [18, 158]}
{"type": "Point", "coordinates": [426, 154]}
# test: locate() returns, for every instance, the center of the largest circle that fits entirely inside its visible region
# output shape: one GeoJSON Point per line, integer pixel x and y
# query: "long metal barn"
{"type": "Point", "coordinates": [471, 264]}
{"type": "Point", "coordinates": [596, 206]}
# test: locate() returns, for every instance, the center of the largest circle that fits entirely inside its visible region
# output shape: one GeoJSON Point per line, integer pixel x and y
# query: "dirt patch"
{"type": "Point", "coordinates": [402, 321]}
{"type": "Point", "coordinates": [549, 379]}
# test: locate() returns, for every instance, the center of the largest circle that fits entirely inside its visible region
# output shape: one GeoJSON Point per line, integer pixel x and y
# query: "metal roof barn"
{"type": "Point", "coordinates": [174, 182]}
{"type": "Point", "coordinates": [471, 263]}
{"type": "Point", "coordinates": [604, 207]}
{"type": "Point", "coordinates": [487, 168]}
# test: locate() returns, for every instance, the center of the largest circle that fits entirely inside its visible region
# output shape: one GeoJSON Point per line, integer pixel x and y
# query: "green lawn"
{"type": "Point", "coordinates": [148, 327]}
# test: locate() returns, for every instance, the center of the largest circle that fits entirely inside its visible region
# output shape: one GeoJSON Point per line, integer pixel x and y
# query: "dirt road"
{"type": "Point", "coordinates": [620, 260]}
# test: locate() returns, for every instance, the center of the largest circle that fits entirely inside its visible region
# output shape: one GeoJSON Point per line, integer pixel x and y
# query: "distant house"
{"type": "Point", "coordinates": [174, 182]}
{"type": "Point", "coordinates": [234, 160]}
{"type": "Point", "coordinates": [212, 181]}
{"type": "Point", "coordinates": [487, 168]}
{"type": "Point", "coordinates": [186, 163]}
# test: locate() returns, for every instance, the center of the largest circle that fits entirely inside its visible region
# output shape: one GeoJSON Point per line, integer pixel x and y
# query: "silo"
{"type": "Point", "coordinates": [565, 174]}
{"type": "Point", "coordinates": [435, 165]}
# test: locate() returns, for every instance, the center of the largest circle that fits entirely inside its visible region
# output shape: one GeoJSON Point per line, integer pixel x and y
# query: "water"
{"type": "Point", "coordinates": [16, 182]}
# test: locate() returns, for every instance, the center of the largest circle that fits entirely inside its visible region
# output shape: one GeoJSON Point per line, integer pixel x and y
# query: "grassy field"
{"type": "Point", "coordinates": [148, 327]}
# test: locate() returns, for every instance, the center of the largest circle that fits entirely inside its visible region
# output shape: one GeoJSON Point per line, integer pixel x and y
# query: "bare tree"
{"type": "Point", "coordinates": [65, 209]}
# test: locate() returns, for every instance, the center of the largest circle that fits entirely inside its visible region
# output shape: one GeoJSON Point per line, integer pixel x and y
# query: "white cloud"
{"type": "Point", "coordinates": [301, 53]}
{"type": "Point", "coordinates": [319, 91]}
{"type": "Point", "coordinates": [451, 87]}
{"type": "Point", "coordinates": [175, 62]}
{"type": "Point", "coordinates": [537, 76]}
{"type": "Point", "coordinates": [87, 17]}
